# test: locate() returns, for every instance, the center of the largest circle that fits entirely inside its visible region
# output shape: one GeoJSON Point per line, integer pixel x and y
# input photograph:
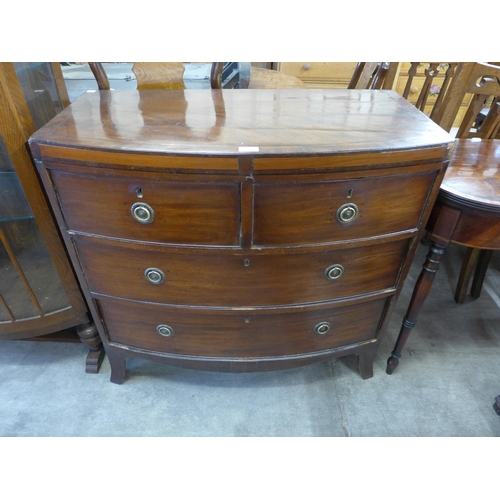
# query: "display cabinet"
{"type": "Point", "coordinates": [39, 295]}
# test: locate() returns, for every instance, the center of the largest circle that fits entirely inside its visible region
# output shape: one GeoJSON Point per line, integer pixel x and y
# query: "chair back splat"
{"type": "Point", "coordinates": [373, 75]}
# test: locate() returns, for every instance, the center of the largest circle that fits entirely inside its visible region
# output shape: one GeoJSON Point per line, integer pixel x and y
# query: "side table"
{"type": "Point", "coordinates": [467, 212]}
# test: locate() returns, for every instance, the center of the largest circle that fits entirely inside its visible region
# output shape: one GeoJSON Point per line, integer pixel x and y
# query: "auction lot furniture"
{"type": "Point", "coordinates": [241, 230]}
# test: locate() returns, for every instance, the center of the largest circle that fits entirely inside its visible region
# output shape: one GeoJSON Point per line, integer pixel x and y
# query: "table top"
{"type": "Point", "coordinates": [473, 176]}
{"type": "Point", "coordinates": [235, 122]}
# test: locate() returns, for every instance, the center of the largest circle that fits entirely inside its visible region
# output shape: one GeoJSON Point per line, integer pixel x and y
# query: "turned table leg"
{"type": "Point", "coordinates": [445, 220]}
{"type": "Point", "coordinates": [420, 293]}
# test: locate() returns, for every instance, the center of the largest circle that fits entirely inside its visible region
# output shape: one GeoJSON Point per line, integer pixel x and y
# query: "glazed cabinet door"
{"type": "Point", "coordinates": [38, 290]}
{"type": "Point", "coordinates": [29, 285]}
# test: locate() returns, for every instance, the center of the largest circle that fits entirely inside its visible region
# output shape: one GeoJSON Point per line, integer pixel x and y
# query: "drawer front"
{"type": "Point", "coordinates": [308, 213]}
{"type": "Point", "coordinates": [239, 333]}
{"type": "Point", "coordinates": [320, 74]}
{"type": "Point", "coordinates": [237, 278]}
{"type": "Point", "coordinates": [182, 212]}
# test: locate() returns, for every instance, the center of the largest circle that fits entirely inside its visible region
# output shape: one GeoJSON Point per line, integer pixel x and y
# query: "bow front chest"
{"type": "Point", "coordinates": [241, 230]}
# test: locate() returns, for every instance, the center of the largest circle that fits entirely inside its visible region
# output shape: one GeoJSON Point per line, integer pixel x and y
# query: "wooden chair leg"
{"type": "Point", "coordinates": [481, 268]}
{"type": "Point", "coordinates": [468, 265]}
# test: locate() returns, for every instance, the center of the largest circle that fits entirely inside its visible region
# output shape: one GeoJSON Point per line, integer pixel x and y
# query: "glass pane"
{"type": "Point", "coordinates": [40, 90]}
{"type": "Point", "coordinates": [28, 279]}
{"type": "Point", "coordinates": [27, 245]}
{"type": "Point", "coordinates": [12, 289]}
{"type": "Point", "coordinates": [13, 203]}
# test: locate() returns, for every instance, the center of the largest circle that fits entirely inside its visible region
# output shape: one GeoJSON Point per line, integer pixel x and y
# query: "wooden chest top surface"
{"type": "Point", "coordinates": [236, 122]}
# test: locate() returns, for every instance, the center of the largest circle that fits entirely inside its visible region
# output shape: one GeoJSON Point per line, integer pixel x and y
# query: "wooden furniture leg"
{"type": "Point", "coordinates": [476, 260]}
{"type": "Point", "coordinates": [496, 405]}
{"type": "Point", "coordinates": [89, 336]}
{"type": "Point", "coordinates": [443, 222]}
{"type": "Point", "coordinates": [118, 366]}
{"type": "Point", "coordinates": [468, 266]}
{"type": "Point", "coordinates": [420, 293]}
{"type": "Point", "coordinates": [365, 362]}
{"type": "Point", "coordinates": [481, 268]}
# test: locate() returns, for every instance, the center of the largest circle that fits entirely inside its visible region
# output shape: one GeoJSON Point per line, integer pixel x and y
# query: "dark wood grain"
{"type": "Point", "coordinates": [294, 121]}
{"type": "Point", "coordinates": [235, 334]}
{"type": "Point", "coordinates": [245, 187]}
{"type": "Point", "coordinates": [184, 212]}
{"type": "Point", "coordinates": [471, 175]}
{"type": "Point", "coordinates": [305, 213]}
{"type": "Point", "coordinates": [236, 279]}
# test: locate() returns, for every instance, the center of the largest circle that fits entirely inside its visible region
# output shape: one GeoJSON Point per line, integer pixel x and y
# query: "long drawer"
{"type": "Point", "coordinates": [251, 333]}
{"type": "Point", "coordinates": [165, 211]}
{"type": "Point", "coordinates": [308, 212]}
{"type": "Point", "coordinates": [158, 274]}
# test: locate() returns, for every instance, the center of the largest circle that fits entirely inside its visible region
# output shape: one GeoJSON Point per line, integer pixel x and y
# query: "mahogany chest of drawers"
{"type": "Point", "coordinates": [241, 230]}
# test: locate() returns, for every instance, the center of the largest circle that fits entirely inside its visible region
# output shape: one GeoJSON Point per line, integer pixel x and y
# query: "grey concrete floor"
{"type": "Point", "coordinates": [446, 384]}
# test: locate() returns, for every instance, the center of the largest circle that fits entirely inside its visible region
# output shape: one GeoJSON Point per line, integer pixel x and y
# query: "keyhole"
{"type": "Point", "coordinates": [138, 192]}
{"type": "Point", "coordinates": [350, 193]}
{"type": "Point", "coordinates": [247, 262]}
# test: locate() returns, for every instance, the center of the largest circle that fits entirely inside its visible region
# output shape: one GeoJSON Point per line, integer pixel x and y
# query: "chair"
{"type": "Point", "coordinates": [467, 209]}
{"type": "Point", "coordinates": [169, 76]}
{"type": "Point", "coordinates": [373, 75]}
{"type": "Point", "coordinates": [431, 86]}
{"type": "Point", "coordinates": [244, 76]}
{"type": "Point", "coordinates": [157, 75]}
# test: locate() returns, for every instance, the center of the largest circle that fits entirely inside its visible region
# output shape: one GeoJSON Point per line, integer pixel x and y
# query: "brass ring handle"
{"type": "Point", "coordinates": [165, 330]}
{"type": "Point", "coordinates": [142, 213]}
{"type": "Point", "coordinates": [334, 272]}
{"type": "Point", "coordinates": [154, 275]}
{"type": "Point", "coordinates": [347, 213]}
{"type": "Point", "coordinates": [322, 328]}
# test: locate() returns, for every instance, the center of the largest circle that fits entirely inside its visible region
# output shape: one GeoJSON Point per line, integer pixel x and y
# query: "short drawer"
{"type": "Point", "coordinates": [239, 278]}
{"type": "Point", "coordinates": [151, 210]}
{"type": "Point", "coordinates": [255, 333]}
{"type": "Point", "coordinates": [308, 213]}
{"type": "Point", "coordinates": [320, 74]}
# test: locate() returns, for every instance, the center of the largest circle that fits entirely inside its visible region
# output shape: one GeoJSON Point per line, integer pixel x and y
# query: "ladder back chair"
{"type": "Point", "coordinates": [429, 83]}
